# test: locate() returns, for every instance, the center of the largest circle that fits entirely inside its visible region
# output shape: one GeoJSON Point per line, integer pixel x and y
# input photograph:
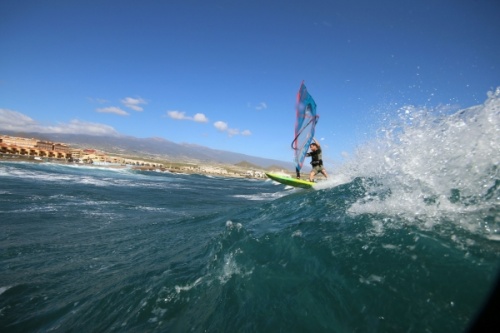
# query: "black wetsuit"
{"type": "Point", "coordinates": [316, 158]}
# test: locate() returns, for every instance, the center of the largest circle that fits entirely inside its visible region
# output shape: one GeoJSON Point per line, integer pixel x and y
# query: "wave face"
{"type": "Point", "coordinates": [404, 237]}
{"type": "Point", "coordinates": [435, 169]}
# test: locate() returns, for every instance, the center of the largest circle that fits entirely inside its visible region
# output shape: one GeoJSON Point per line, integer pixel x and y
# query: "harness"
{"type": "Point", "coordinates": [316, 158]}
{"type": "Point", "coordinates": [317, 163]}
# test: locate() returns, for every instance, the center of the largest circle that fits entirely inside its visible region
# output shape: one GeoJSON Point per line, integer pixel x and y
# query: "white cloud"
{"type": "Point", "coordinates": [233, 131]}
{"type": "Point", "coordinates": [224, 127]}
{"type": "Point", "coordinates": [83, 127]}
{"type": "Point", "coordinates": [16, 121]}
{"type": "Point", "coordinates": [261, 106]}
{"type": "Point", "coordinates": [200, 118]}
{"type": "Point", "coordinates": [221, 126]}
{"type": "Point", "coordinates": [181, 115]}
{"type": "Point", "coordinates": [133, 103]}
{"type": "Point", "coordinates": [178, 115]}
{"type": "Point", "coordinates": [113, 109]}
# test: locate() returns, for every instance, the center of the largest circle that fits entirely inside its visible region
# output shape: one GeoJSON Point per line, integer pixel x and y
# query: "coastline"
{"type": "Point", "coordinates": [33, 150]}
{"type": "Point", "coordinates": [236, 172]}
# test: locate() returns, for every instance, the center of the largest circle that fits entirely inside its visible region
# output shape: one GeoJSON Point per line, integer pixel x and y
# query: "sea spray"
{"type": "Point", "coordinates": [432, 167]}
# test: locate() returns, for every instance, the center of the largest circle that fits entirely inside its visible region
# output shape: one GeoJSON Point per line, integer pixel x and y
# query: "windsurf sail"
{"type": "Point", "coordinates": [305, 124]}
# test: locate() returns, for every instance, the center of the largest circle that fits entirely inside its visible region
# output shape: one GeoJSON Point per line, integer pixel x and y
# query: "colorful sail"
{"type": "Point", "coordinates": [306, 120]}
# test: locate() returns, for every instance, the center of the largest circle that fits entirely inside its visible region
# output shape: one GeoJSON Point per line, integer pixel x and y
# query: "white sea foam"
{"type": "Point", "coordinates": [260, 196]}
{"type": "Point", "coordinates": [94, 176]}
{"type": "Point", "coordinates": [372, 279]}
{"type": "Point", "coordinates": [188, 287]}
{"type": "Point", "coordinates": [231, 267]}
{"type": "Point", "coordinates": [231, 225]}
{"type": "Point", "coordinates": [429, 165]}
{"type": "Point", "coordinates": [4, 289]}
{"type": "Point", "coordinates": [333, 181]}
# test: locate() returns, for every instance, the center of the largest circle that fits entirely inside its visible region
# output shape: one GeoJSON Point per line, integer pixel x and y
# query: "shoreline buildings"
{"type": "Point", "coordinates": [42, 150]}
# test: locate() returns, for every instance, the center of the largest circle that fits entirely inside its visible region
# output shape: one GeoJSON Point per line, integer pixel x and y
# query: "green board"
{"type": "Point", "coordinates": [287, 180]}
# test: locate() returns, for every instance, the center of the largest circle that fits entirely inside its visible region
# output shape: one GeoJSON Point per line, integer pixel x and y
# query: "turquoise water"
{"type": "Point", "coordinates": [403, 238]}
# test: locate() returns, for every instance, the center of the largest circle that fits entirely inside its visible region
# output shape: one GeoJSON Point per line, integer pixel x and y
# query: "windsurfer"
{"type": "Point", "coordinates": [316, 160]}
{"type": "Point", "coordinates": [306, 119]}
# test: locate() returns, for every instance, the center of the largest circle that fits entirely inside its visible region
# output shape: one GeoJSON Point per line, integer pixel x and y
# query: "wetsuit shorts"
{"type": "Point", "coordinates": [317, 169]}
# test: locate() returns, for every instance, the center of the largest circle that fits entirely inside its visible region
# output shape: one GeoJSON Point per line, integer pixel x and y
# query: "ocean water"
{"type": "Point", "coordinates": [404, 237]}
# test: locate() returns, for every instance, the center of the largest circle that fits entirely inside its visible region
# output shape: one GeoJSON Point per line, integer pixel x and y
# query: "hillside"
{"type": "Point", "coordinates": [157, 148]}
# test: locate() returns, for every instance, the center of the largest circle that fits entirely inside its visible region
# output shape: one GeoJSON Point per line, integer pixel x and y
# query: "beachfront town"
{"type": "Point", "coordinates": [35, 150]}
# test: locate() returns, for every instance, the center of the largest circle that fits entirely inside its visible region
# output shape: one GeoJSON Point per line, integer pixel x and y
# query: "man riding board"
{"type": "Point", "coordinates": [316, 160]}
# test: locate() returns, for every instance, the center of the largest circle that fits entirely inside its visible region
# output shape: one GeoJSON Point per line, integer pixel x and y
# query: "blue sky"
{"type": "Point", "coordinates": [225, 73]}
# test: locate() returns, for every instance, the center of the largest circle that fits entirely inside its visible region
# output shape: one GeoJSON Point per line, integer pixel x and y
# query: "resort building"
{"type": "Point", "coordinates": [41, 150]}
{"type": "Point", "coordinates": [32, 147]}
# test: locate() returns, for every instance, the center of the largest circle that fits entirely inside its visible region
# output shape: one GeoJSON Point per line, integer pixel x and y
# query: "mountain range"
{"type": "Point", "coordinates": [156, 148]}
